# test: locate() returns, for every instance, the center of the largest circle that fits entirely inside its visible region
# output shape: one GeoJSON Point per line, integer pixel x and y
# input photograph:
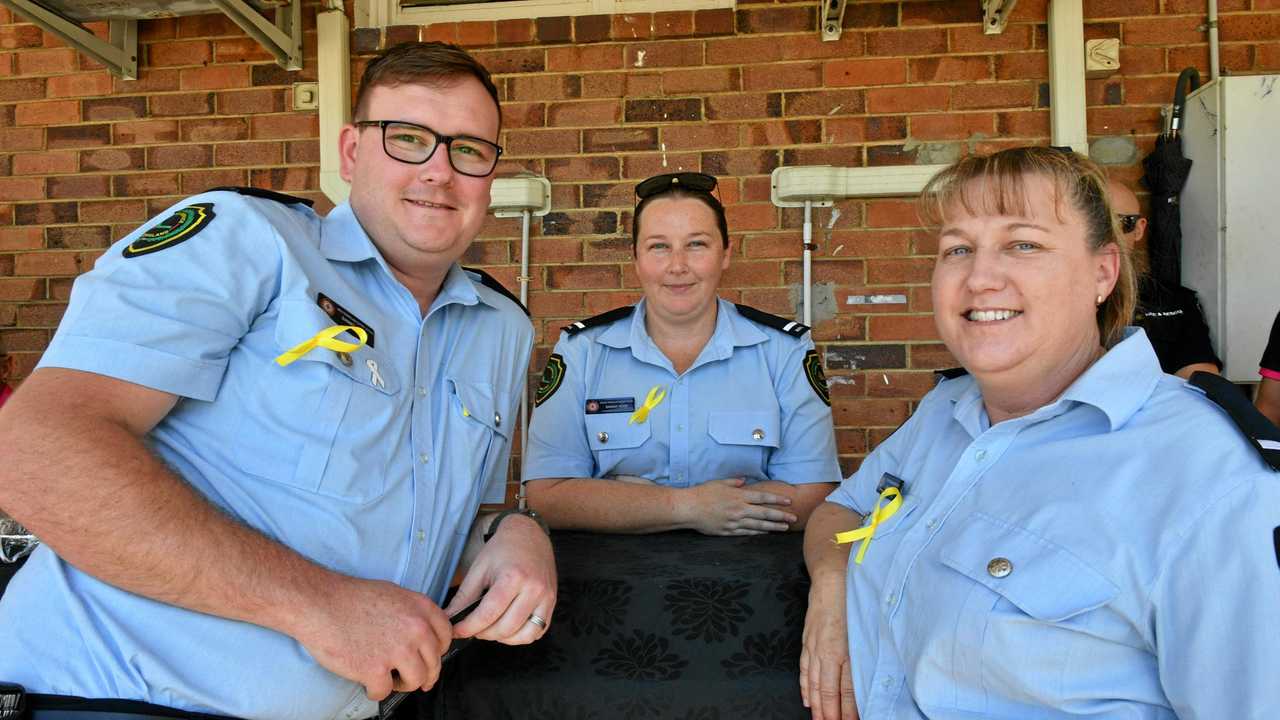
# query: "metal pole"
{"type": "Point", "coordinates": [521, 500]}
{"type": "Point", "coordinates": [808, 263]}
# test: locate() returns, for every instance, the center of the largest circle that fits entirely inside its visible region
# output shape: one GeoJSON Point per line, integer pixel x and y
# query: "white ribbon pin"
{"type": "Point", "coordinates": [374, 377]}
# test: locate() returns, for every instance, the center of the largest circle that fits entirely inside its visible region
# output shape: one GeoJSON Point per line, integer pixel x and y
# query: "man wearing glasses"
{"type": "Point", "coordinates": [256, 447]}
{"type": "Point", "coordinates": [1171, 316]}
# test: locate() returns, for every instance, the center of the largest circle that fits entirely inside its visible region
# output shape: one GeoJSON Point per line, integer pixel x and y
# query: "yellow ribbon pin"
{"type": "Point", "coordinates": [878, 515]}
{"type": "Point", "coordinates": [326, 338]}
{"type": "Point", "coordinates": [656, 394]}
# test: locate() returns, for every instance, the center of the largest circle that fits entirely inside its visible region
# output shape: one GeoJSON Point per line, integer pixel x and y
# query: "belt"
{"type": "Point", "coordinates": [64, 707]}
{"type": "Point", "coordinates": [91, 715]}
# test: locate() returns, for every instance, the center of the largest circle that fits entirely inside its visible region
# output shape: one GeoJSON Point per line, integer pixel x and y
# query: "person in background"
{"type": "Point", "coordinates": [1037, 539]}
{"type": "Point", "coordinates": [1267, 398]}
{"type": "Point", "coordinates": [1171, 316]}
{"type": "Point", "coordinates": [684, 410]}
{"type": "Point", "coordinates": [256, 447]}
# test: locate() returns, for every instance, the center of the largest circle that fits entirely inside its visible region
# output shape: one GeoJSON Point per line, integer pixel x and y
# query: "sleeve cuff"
{"type": "Point", "coordinates": [804, 473]}
{"type": "Point", "coordinates": [843, 496]}
{"type": "Point", "coordinates": [144, 366]}
{"type": "Point", "coordinates": [544, 470]}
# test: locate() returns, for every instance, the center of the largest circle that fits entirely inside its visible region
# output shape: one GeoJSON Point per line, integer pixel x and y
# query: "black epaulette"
{"type": "Point", "coordinates": [264, 194]}
{"type": "Point", "coordinates": [492, 283]}
{"type": "Point", "coordinates": [950, 373]}
{"type": "Point", "coordinates": [1261, 432]}
{"type": "Point", "coordinates": [603, 318]}
{"type": "Point", "coordinates": [790, 327]}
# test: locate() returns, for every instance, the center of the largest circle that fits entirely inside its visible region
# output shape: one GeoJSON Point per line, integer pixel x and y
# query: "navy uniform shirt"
{"type": "Point", "coordinates": [1175, 325]}
{"type": "Point", "coordinates": [372, 464]}
{"type": "Point", "coordinates": [1111, 555]}
{"type": "Point", "coordinates": [753, 405]}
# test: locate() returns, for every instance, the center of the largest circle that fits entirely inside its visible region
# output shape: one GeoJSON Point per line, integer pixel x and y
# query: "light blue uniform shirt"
{"type": "Point", "coordinates": [1138, 526]}
{"type": "Point", "coordinates": [743, 409]}
{"type": "Point", "coordinates": [373, 473]}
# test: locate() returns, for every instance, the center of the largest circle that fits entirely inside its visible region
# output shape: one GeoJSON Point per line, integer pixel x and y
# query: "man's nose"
{"type": "Point", "coordinates": [437, 168]}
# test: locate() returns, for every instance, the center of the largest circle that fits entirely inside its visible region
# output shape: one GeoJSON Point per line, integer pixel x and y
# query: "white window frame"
{"type": "Point", "coordinates": [382, 13]}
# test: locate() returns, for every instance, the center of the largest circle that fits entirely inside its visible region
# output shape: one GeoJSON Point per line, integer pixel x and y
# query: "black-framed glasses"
{"type": "Point", "coordinates": [415, 144]}
{"type": "Point", "coordinates": [698, 182]}
{"type": "Point", "coordinates": [1128, 222]}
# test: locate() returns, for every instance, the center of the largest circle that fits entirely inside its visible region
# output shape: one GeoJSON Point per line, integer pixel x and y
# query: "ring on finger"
{"type": "Point", "coordinates": [538, 620]}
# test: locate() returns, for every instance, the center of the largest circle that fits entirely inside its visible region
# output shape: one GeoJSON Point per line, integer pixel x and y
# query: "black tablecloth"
{"type": "Point", "coordinates": [674, 625]}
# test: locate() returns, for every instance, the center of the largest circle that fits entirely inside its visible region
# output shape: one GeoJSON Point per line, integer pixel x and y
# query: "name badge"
{"type": "Point", "coordinates": [343, 316]}
{"type": "Point", "coordinates": [600, 406]}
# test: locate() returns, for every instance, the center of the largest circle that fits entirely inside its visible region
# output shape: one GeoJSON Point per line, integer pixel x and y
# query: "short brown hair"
{"type": "Point", "coordinates": [1076, 178]}
{"type": "Point", "coordinates": [424, 63]}
{"type": "Point", "coordinates": [705, 198]}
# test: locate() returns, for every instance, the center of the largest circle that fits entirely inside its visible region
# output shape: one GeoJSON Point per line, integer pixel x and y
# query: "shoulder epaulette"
{"type": "Point", "coordinates": [492, 283]}
{"type": "Point", "coordinates": [950, 373]}
{"type": "Point", "coordinates": [264, 194]}
{"type": "Point", "coordinates": [1260, 432]}
{"type": "Point", "coordinates": [603, 318]}
{"type": "Point", "coordinates": [790, 327]}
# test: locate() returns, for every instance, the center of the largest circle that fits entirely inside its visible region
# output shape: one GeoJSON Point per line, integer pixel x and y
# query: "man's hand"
{"type": "Point", "coordinates": [516, 573]}
{"type": "Point", "coordinates": [826, 680]}
{"type": "Point", "coordinates": [726, 507]}
{"type": "Point", "coordinates": [377, 634]}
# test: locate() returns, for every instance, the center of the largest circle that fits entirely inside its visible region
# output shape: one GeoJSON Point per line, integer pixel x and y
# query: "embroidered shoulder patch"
{"type": "Point", "coordinates": [552, 376]}
{"type": "Point", "coordinates": [177, 228]}
{"type": "Point", "coordinates": [816, 376]}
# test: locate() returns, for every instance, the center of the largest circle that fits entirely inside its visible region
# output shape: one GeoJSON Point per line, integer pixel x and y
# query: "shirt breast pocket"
{"type": "Point", "coordinates": [324, 423]}
{"type": "Point", "coordinates": [481, 431]}
{"type": "Point", "coordinates": [1027, 623]}
{"type": "Point", "coordinates": [613, 440]}
{"type": "Point", "coordinates": [743, 442]}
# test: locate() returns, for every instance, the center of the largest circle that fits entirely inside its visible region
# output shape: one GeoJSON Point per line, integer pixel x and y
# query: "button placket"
{"type": "Point", "coordinates": [678, 439]}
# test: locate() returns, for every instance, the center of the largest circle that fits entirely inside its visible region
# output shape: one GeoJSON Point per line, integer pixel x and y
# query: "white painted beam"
{"type": "Point", "coordinates": [1066, 76]}
{"type": "Point", "coordinates": [333, 58]}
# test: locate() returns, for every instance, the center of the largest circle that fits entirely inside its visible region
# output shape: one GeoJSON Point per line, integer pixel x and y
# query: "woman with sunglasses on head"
{"type": "Point", "coordinates": [684, 410]}
{"type": "Point", "coordinates": [1060, 530]}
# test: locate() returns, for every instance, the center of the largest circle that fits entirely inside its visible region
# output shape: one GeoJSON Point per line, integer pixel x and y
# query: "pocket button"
{"type": "Point", "coordinates": [999, 567]}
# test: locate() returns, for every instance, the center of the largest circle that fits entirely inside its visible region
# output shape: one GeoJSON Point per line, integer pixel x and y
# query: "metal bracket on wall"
{"type": "Point", "coordinates": [831, 17]}
{"type": "Point", "coordinates": [120, 55]}
{"type": "Point", "coordinates": [283, 39]}
{"type": "Point", "coordinates": [995, 15]}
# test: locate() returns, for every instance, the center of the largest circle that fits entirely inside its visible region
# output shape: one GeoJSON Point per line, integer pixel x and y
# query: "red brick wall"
{"type": "Point", "coordinates": [596, 103]}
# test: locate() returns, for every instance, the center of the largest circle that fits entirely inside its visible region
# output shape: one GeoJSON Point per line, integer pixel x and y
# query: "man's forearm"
{"type": "Point", "coordinates": [95, 494]}
{"type": "Point", "coordinates": [606, 505]}
{"type": "Point", "coordinates": [823, 557]}
{"type": "Point", "coordinates": [805, 498]}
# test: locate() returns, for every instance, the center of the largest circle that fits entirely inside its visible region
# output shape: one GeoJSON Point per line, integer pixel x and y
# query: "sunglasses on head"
{"type": "Point", "coordinates": [1128, 222]}
{"type": "Point", "coordinates": [658, 184]}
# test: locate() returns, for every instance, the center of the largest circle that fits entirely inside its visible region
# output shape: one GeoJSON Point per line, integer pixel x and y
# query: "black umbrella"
{"type": "Point", "coordinates": [1166, 174]}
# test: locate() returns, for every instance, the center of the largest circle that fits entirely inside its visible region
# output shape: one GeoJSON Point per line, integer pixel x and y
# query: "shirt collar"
{"type": "Point", "coordinates": [1118, 384]}
{"type": "Point", "coordinates": [732, 330]}
{"type": "Point", "coordinates": [458, 287]}
{"type": "Point", "coordinates": [1122, 380]}
{"type": "Point", "coordinates": [342, 238]}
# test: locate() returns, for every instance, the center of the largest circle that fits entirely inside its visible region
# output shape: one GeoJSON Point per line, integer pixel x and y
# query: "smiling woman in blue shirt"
{"type": "Point", "coordinates": [684, 410]}
{"type": "Point", "coordinates": [1062, 530]}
